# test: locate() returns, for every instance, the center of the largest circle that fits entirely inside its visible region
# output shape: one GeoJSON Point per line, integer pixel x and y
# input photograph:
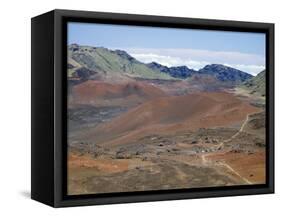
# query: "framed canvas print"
{"type": "Point", "coordinates": [131, 108]}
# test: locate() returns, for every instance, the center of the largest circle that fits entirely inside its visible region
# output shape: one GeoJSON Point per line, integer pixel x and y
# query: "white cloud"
{"type": "Point", "coordinates": [197, 59]}
{"type": "Point", "coordinates": [252, 69]}
{"type": "Point", "coordinates": [169, 61]}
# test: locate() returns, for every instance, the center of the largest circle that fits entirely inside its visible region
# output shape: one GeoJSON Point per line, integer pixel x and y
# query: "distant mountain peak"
{"type": "Point", "coordinates": [218, 66]}
{"type": "Point", "coordinates": [225, 73]}
{"type": "Point", "coordinates": [175, 71]}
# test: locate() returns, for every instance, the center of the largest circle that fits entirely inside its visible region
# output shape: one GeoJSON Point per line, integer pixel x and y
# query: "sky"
{"type": "Point", "coordinates": [176, 47]}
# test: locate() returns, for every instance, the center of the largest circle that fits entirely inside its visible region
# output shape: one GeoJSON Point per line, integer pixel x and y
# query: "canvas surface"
{"type": "Point", "coordinates": [156, 108]}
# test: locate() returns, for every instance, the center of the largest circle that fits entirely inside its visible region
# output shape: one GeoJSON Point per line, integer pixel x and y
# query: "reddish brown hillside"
{"type": "Point", "coordinates": [109, 94]}
{"type": "Point", "coordinates": [170, 114]}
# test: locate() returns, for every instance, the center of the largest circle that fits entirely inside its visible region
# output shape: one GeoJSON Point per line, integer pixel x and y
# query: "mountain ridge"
{"type": "Point", "coordinates": [102, 63]}
{"type": "Point", "coordinates": [181, 72]}
{"type": "Point", "coordinates": [110, 63]}
{"type": "Point", "coordinates": [225, 73]}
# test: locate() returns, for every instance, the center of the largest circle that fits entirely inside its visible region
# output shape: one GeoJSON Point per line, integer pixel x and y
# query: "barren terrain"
{"type": "Point", "coordinates": [149, 136]}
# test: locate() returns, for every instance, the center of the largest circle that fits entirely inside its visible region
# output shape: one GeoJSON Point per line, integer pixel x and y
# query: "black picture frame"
{"type": "Point", "coordinates": [49, 100]}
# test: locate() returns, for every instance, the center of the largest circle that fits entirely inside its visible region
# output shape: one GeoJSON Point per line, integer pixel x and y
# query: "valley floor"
{"type": "Point", "coordinates": [220, 145]}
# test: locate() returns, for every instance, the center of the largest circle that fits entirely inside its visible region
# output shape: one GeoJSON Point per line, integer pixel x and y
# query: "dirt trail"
{"type": "Point", "coordinates": [221, 145]}
{"type": "Point", "coordinates": [181, 174]}
{"type": "Point", "coordinates": [235, 172]}
{"type": "Point", "coordinates": [208, 163]}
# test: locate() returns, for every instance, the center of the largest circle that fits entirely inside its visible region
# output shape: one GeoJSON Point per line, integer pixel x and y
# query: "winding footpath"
{"type": "Point", "coordinates": [221, 145]}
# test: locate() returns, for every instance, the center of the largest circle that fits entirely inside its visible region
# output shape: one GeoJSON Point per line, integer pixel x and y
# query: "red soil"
{"type": "Point", "coordinates": [250, 166]}
{"type": "Point", "coordinates": [102, 93]}
{"type": "Point", "coordinates": [171, 114]}
{"type": "Point", "coordinates": [105, 165]}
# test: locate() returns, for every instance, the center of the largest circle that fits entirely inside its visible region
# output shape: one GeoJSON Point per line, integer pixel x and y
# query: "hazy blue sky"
{"type": "Point", "coordinates": [172, 47]}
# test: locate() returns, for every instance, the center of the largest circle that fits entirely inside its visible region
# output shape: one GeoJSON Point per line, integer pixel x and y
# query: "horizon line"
{"type": "Point", "coordinates": [153, 61]}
